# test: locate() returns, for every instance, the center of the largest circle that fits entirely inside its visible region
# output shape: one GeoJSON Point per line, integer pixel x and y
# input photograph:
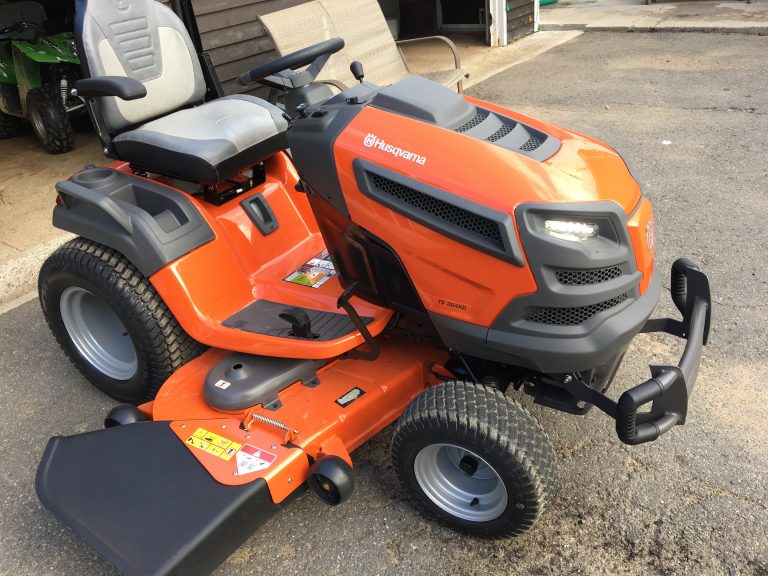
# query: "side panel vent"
{"type": "Point", "coordinates": [470, 223]}
{"type": "Point", "coordinates": [473, 223]}
{"type": "Point", "coordinates": [392, 278]}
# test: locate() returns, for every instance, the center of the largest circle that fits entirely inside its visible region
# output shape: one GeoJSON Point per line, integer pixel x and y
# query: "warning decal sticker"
{"type": "Point", "coordinates": [213, 444]}
{"type": "Point", "coordinates": [251, 459]}
{"type": "Point", "coordinates": [315, 272]}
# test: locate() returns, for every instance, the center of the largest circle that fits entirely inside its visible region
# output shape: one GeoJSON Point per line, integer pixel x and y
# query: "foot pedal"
{"type": "Point", "coordinates": [301, 325]}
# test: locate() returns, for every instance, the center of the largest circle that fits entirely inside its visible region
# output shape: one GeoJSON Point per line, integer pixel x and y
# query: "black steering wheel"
{"type": "Point", "coordinates": [303, 57]}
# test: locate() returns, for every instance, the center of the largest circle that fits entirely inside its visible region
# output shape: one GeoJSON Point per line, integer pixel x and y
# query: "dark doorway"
{"type": "Point", "coordinates": [462, 14]}
{"type": "Point", "coordinates": [417, 18]}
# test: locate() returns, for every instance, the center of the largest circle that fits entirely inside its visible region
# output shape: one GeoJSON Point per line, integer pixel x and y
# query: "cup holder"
{"type": "Point", "coordinates": [95, 177]}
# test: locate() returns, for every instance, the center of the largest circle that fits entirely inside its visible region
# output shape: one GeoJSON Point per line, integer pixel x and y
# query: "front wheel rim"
{"type": "Point", "coordinates": [98, 334]}
{"type": "Point", "coordinates": [460, 482]}
{"type": "Point", "coordinates": [38, 124]}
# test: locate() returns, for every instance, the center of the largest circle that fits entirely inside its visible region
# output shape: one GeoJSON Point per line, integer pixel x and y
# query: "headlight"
{"type": "Point", "coordinates": [569, 230]}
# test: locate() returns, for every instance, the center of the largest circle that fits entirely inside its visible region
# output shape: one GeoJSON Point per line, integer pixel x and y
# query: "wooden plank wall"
{"type": "Point", "coordinates": [519, 18]}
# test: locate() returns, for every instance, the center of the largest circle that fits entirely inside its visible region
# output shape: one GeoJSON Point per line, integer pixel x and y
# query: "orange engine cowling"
{"type": "Point", "coordinates": [507, 238]}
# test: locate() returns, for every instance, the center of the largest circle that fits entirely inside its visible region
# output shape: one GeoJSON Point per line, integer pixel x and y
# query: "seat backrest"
{"type": "Point", "coordinates": [32, 12]}
{"type": "Point", "coordinates": [145, 40]}
{"type": "Point", "coordinates": [300, 26]}
{"type": "Point", "coordinates": [368, 39]}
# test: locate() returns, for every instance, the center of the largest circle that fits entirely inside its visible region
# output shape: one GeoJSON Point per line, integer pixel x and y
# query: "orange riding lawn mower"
{"type": "Point", "coordinates": [268, 285]}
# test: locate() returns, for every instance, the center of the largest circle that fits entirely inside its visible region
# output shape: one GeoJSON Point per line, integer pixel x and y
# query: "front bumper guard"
{"type": "Point", "coordinates": [669, 387]}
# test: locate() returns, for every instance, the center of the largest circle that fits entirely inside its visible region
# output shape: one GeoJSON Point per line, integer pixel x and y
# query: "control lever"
{"type": "Point", "coordinates": [357, 70]}
{"type": "Point", "coordinates": [301, 325]}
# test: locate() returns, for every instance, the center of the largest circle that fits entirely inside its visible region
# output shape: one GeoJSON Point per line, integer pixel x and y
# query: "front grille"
{"type": "Point", "coordinates": [479, 116]}
{"type": "Point", "coordinates": [474, 223]}
{"type": "Point", "coordinates": [571, 316]}
{"type": "Point", "coordinates": [585, 277]}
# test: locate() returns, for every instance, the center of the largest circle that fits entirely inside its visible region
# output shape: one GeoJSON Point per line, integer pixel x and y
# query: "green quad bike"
{"type": "Point", "coordinates": [36, 73]}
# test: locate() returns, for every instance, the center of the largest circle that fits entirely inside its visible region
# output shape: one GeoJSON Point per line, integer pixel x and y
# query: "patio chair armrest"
{"type": "Point", "coordinates": [451, 45]}
{"type": "Point", "coordinates": [336, 84]}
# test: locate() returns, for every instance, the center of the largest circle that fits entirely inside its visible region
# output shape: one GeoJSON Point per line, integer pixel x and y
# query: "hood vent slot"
{"type": "Point", "coordinates": [479, 116]}
{"type": "Point", "coordinates": [509, 134]}
{"type": "Point", "coordinates": [500, 133]}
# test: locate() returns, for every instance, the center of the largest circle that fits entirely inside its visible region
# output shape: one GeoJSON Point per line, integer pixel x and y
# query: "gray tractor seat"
{"type": "Point", "coordinates": [171, 130]}
{"type": "Point", "coordinates": [210, 142]}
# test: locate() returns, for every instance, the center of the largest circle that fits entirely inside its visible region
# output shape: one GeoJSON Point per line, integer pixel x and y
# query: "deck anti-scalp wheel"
{"type": "Point", "coordinates": [474, 459]}
{"type": "Point", "coordinates": [111, 322]}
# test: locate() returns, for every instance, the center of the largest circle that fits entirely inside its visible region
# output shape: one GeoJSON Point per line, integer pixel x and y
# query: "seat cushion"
{"type": "Point", "coordinates": [208, 143]}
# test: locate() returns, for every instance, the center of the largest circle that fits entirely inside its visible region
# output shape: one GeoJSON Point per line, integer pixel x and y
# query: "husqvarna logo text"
{"type": "Point", "coordinates": [373, 141]}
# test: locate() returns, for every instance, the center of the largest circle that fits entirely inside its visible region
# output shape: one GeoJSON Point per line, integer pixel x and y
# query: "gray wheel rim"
{"type": "Point", "coordinates": [477, 497]}
{"type": "Point", "coordinates": [37, 123]}
{"type": "Point", "coordinates": [98, 334]}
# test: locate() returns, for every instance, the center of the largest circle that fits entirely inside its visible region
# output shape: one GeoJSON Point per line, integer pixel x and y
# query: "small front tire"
{"type": "Point", "coordinates": [111, 322]}
{"type": "Point", "coordinates": [474, 459]}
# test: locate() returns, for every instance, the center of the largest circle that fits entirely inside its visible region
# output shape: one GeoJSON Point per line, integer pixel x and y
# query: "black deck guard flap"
{"type": "Point", "coordinates": [138, 496]}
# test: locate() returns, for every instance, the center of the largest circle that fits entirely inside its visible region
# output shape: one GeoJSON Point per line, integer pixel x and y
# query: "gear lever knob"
{"type": "Point", "coordinates": [357, 70]}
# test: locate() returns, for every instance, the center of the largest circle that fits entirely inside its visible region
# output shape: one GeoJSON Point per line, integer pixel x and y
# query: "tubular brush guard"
{"type": "Point", "coordinates": [669, 387]}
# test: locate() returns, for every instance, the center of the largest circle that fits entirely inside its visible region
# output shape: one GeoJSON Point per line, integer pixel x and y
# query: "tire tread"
{"type": "Point", "coordinates": [167, 345]}
{"type": "Point", "coordinates": [485, 417]}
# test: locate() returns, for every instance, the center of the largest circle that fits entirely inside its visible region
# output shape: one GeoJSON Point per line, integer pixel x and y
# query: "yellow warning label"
{"type": "Point", "coordinates": [231, 451]}
{"type": "Point", "coordinates": [214, 444]}
{"type": "Point", "coordinates": [197, 443]}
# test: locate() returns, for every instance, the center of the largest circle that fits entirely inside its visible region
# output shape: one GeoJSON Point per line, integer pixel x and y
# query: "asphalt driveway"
{"type": "Point", "coordinates": [690, 112]}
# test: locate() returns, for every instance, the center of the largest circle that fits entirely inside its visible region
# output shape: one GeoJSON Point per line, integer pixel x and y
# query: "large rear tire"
{"type": "Point", "coordinates": [49, 119]}
{"type": "Point", "coordinates": [474, 459]}
{"type": "Point", "coordinates": [111, 322]}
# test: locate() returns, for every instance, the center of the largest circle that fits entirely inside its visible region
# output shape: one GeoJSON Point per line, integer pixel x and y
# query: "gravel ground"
{"type": "Point", "coordinates": [690, 111]}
